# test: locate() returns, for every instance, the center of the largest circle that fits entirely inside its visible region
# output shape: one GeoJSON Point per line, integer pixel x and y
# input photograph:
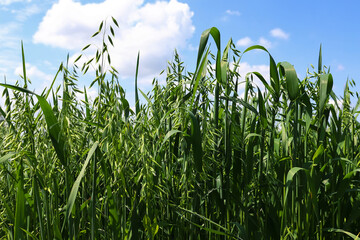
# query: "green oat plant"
{"type": "Point", "coordinates": [197, 158]}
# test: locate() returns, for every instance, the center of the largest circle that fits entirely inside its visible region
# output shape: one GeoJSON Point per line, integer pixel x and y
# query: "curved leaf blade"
{"type": "Point", "coordinates": [292, 84]}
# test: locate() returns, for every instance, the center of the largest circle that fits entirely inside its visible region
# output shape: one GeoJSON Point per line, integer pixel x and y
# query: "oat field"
{"type": "Point", "coordinates": [209, 154]}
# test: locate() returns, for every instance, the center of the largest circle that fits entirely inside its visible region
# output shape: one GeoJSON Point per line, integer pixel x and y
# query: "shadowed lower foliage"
{"type": "Point", "coordinates": [198, 159]}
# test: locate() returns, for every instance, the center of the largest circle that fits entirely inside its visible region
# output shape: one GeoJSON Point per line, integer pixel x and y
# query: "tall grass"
{"type": "Point", "coordinates": [198, 159]}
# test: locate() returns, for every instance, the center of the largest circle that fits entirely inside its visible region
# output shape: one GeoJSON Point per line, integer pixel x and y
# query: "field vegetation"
{"type": "Point", "coordinates": [195, 158]}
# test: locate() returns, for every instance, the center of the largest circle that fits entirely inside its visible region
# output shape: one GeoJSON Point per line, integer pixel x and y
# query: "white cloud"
{"type": "Point", "coordinates": [69, 24]}
{"type": "Point", "coordinates": [244, 42]}
{"type": "Point", "coordinates": [265, 43]}
{"type": "Point", "coordinates": [233, 12]}
{"type": "Point", "coordinates": [279, 33]}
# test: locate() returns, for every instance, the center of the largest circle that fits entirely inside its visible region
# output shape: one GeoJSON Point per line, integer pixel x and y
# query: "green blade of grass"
{"type": "Point", "coordinates": [137, 107]}
{"type": "Point", "coordinates": [292, 83]}
{"type": "Point", "coordinates": [215, 33]}
{"type": "Point", "coordinates": [201, 72]}
{"type": "Point", "coordinates": [262, 79]}
{"type": "Point", "coordinates": [353, 236]}
{"type": "Point", "coordinates": [262, 110]}
{"type": "Point", "coordinates": [20, 207]}
{"type": "Point", "coordinates": [196, 142]}
{"type": "Point", "coordinates": [274, 75]}
{"type": "Point", "coordinates": [326, 83]}
{"type": "Point", "coordinates": [6, 157]}
{"type": "Point", "coordinates": [320, 61]}
{"type": "Point", "coordinates": [75, 187]}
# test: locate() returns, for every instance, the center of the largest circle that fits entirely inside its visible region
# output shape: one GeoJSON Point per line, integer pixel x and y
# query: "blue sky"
{"type": "Point", "coordinates": [291, 30]}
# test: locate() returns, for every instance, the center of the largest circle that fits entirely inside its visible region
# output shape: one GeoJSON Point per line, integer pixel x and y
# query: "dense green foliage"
{"type": "Point", "coordinates": [197, 159]}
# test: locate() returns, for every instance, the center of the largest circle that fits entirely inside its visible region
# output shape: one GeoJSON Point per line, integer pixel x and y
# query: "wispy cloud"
{"type": "Point", "coordinates": [8, 2]}
{"type": "Point", "coordinates": [9, 46]}
{"type": "Point", "coordinates": [8, 39]}
{"type": "Point", "coordinates": [25, 13]}
{"type": "Point", "coordinates": [11, 30]}
{"type": "Point", "coordinates": [244, 42]}
{"type": "Point", "coordinates": [340, 67]}
{"type": "Point", "coordinates": [233, 12]}
{"type": "Point", "coordinates": [228, 14]}
{"type": "Point", "coordinates": [279, 33]}
{"type": "Point", "coordinates": [7, 64]}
